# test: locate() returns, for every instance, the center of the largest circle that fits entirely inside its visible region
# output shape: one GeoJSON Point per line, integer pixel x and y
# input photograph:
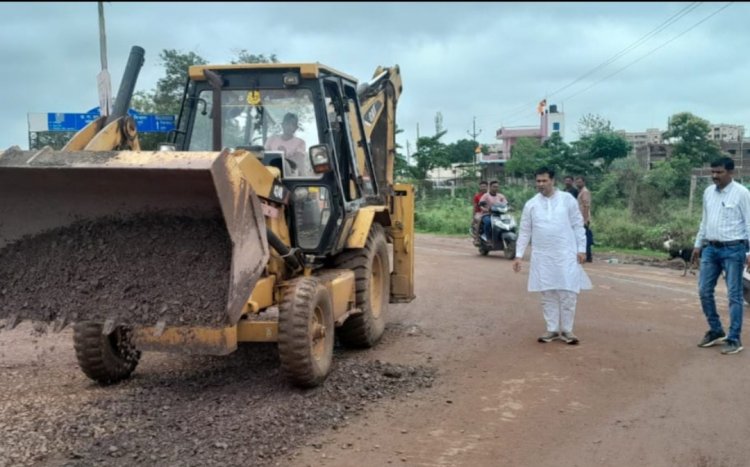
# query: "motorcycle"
{"type": "Point", "coordinates": [504, 232]}
{"type": "Point", "coordinates": [746, 285]}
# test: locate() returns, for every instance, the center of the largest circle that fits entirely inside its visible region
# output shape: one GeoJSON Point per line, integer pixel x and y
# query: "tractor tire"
{"type": "Point", "coordinates": [106, 359]}
{"type": "Point", "coordinates": [510, 250]}
{"type": "Point", "coordinates": [373, 286]}
{"type": "Point", "coordinates": [306, 332]}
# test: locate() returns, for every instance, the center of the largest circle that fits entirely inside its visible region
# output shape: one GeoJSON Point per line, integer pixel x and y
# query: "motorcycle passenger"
{"type": "Point", "coordinates": [488, 200]}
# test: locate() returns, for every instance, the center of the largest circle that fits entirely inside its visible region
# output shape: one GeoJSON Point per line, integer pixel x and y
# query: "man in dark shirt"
{"type": "Point", "coordinates": [570, 187]}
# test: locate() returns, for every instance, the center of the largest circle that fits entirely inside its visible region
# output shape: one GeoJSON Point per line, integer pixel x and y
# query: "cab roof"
{"type": "Point", "coordinates": [306, 70]}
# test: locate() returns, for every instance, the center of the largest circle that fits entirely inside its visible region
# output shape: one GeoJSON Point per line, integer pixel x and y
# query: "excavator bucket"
{"type": "Point", "coordinates": [127, 238]}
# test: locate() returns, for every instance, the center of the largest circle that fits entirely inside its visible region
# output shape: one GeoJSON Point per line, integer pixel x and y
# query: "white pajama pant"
{"type": "Point", "coordinates": [559, 308]}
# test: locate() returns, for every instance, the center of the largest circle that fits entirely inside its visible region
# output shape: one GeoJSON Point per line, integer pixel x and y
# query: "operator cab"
{"type": "Point", "coordinates": [302, 119]}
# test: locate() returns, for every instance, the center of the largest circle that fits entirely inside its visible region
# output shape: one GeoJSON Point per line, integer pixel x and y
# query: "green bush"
{"type": "Point", "coordinates": [616, 228]}
{"type": "Point", "coordinates": [612, 225]}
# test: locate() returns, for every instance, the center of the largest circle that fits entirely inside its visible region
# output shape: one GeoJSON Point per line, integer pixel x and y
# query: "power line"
{"type": "Point", "coordinates": [652, 51]}
{"type": "Point", "coordinates": [703, 20]}
{"type": "Point", "coordinates": [523, 108]}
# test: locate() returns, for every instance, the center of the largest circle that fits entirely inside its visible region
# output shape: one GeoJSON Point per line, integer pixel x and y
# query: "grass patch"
{"type": "Point", "coordinates": [643, 252]}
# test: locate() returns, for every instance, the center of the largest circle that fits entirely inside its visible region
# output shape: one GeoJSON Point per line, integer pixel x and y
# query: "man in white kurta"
{"type": "Point", "coordinates": [552, 221]}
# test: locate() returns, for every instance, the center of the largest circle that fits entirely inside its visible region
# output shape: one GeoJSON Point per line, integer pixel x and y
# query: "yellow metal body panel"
{"type": "Point", "coordinates": [306, 70]}
{"type": "Point", "coordinates": [84, 135]}
{"type": "Point", "coordinates": [263, 295]}
{"type": "Point", "coordinates": [357, 142]}
{"type": "Point", "coordinates": [257, 174]}
{"type": "Point", "coordinates": [191, 340]}
{"type": "Point", "coordinates": [402, 230]}
{"type": "Point", "coordinates": [257, 331]}
{"type": "Point", "coordinates": [361, 228]}
{"type": "Point", "coordinates": [341, 287]}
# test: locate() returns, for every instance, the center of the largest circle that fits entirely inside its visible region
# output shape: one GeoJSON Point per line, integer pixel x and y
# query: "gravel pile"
{"type": "Point", "coordinates": [203, 411]}
{"type": "Point", "coordinates": [137, 270]}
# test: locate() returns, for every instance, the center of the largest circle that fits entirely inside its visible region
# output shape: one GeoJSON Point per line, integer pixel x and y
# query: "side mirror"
{"type": "Point", "coordinates": [320, 159]}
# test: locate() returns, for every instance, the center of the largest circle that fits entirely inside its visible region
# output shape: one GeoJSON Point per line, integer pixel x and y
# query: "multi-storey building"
{"type": "Point", "coordinates": [640, 139]}
{"type": "Point", "coordinates": [723, 132]}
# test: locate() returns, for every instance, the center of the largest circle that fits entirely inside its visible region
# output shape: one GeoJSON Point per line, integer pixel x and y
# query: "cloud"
{"type": "Point", "coordinates": [492, 61]}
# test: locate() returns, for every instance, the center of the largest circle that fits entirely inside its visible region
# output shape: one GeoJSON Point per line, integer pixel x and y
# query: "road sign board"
{"type": "Point", "coordinates": [57, 121]}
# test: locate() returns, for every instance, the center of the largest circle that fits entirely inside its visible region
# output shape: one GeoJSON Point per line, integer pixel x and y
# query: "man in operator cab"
{"type": "Point", "coordinates": [486, 202]}
{"type": "Point", "coordinates": [293, 147]}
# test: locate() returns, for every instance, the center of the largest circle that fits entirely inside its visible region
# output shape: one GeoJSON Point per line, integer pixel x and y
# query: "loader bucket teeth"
{"type": "Point", "coordinates": [59, 324]}
{"type": "Point", "coordinates": [11, 322]}
{"type": "Point", "coordinates": [161, 325]}
{"type": "Point", "coordinates": [128, 238]}
{"type": "Point", "coordinates": [108, 327]}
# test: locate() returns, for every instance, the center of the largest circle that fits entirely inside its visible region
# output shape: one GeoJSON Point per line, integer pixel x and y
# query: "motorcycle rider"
{"type": "Point", "coordinates": [477, 215]}
{"type": "Point", "coordinates": [486, 202]}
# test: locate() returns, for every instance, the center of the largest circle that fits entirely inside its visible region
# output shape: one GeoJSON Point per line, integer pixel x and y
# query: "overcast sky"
{"type": "Point", "coordinates": [632, 63]}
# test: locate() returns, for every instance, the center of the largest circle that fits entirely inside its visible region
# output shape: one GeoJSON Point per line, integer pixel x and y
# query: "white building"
{"type": "Point", "coordinates": [723, 132]}
{"type": "Point", "coordinates": [639, 139]}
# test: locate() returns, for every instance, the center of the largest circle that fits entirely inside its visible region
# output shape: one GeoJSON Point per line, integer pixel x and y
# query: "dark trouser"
{"type": "Point", "coordinates": [589, 242]}
{"type": "Point", "coordinates": [730, 260]}
{"type": "Point", "coordinates": [487, 227]}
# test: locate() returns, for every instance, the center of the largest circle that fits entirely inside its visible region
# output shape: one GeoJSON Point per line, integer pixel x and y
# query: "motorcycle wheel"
{"type": "Point", "coordinates": [483, 251]}
{"type": "Point", "coordinates": [510, 250]}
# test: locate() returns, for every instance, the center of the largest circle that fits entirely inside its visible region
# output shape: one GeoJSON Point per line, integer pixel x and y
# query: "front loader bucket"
{"type": "Point", "coordinates": [131, 238]}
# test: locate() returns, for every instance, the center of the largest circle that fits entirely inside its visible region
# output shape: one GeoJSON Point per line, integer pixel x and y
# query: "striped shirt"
{"type": "Point", "coordinates": [726, 214]}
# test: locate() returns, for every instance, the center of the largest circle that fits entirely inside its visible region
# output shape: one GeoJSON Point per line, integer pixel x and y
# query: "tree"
{"type": "Point", "coordinates": [527, 155]}
{"type": "Point", "coordinates": [53, 139]}
{"type": "Point", "coordinates": [462, 151]}
{"type": "Point", "coordinates": [591, 124]}
{"type": "Point", "coordinates": [243, 56]}
{"type": "Point", "coordinates": [606, 147]}
{"type": "Point", "coordinates": [431, 153]}
{"type": "Point", "coordinates": [690, 136]}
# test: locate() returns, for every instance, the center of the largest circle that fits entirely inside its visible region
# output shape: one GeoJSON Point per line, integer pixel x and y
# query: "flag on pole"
{"type": "Point", "coordinates": [540, 107]}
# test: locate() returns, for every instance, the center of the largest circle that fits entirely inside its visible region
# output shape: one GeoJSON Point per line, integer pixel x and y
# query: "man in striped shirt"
{"type": "Point", "coordinates": [722, 244]}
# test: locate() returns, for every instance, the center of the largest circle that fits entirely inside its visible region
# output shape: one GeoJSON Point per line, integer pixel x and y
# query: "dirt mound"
{"type": "Point", "coordinates": [136, 270]}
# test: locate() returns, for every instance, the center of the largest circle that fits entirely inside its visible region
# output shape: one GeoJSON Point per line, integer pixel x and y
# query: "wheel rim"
{"type": "Point", "coordinates": [376, 287]}
{"type": "Point", "coordinates": [121, 343]}
{"type": "Point", "coordinates": [318, 334]}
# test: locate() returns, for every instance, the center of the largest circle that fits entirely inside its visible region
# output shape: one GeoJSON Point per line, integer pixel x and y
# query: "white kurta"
{"type": "Point", "coordinates": [554, 225]}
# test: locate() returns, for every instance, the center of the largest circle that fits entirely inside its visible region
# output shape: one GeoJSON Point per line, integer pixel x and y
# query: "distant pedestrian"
{"type": "Point", "coordinates": [551, 221]}
{"type": "Point", "coordinates": [569, 187]}
{"type": "Point", "coordinates": [722, 245]}
{"type": "Point", "coordinates": [584, 203]}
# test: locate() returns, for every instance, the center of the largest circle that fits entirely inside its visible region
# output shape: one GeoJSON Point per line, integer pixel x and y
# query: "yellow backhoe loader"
{"type": "Point", "coordinates": [270, 216]}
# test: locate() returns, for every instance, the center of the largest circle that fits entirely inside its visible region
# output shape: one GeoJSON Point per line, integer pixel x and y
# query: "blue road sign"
{"type": "Point", "coordinates": [145, 123]}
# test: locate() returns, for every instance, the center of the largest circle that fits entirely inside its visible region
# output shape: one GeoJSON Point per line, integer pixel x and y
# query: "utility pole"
{"type": "Point", "coordinates": [474, 133]}
{"type": "Point", "coordinates": [104, 83]}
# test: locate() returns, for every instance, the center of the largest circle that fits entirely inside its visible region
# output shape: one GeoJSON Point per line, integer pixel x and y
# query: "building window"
{"type": "Point", "coordinates": [555, 126]}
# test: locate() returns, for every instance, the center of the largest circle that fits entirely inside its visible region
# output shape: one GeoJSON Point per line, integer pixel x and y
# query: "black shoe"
{"type": "Point", "coordinates": [731, 347]}
{"type": "Point", "coordinates": [712, 338]}
{"type": "Point", "coordinates": [569, 338]}
{"type": "Point", "coordinates": [548, 337]}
